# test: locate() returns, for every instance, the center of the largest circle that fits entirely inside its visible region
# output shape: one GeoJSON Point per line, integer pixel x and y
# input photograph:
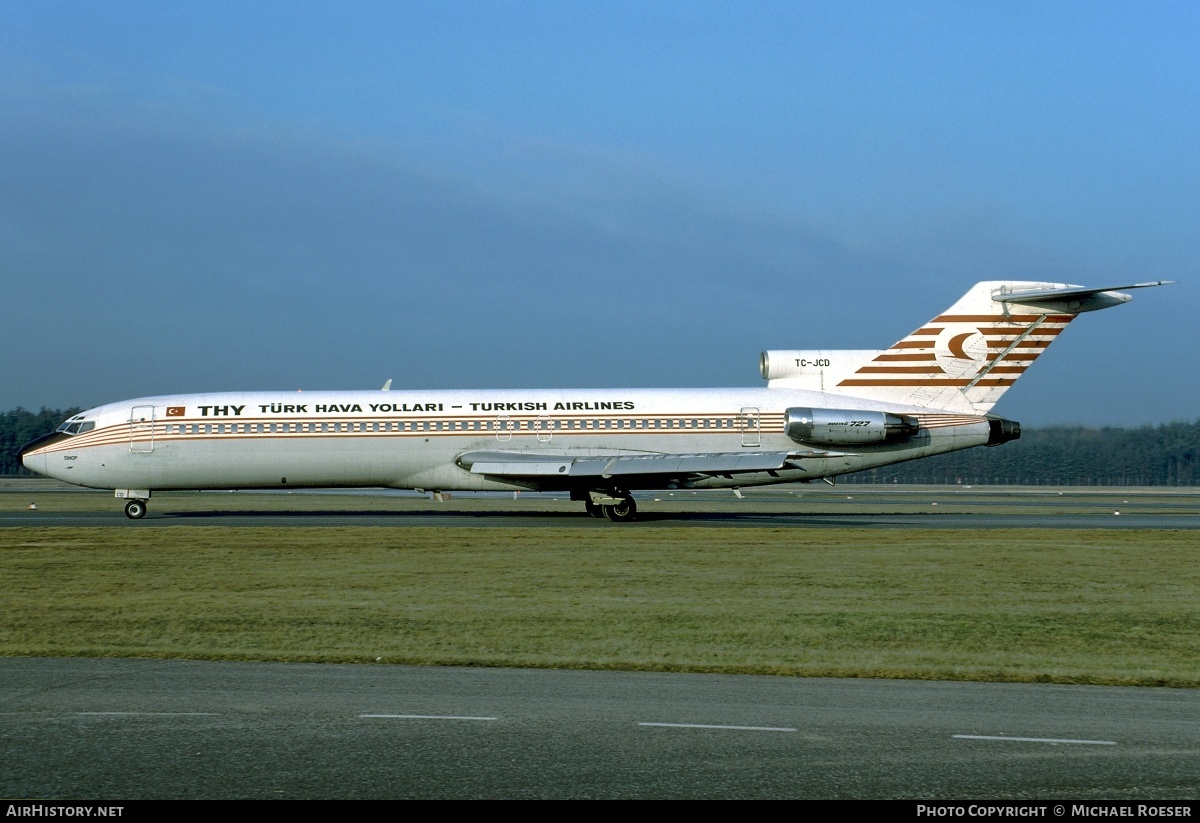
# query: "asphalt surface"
{"type": "Point", "coordinates": [850, 506]}
{"type": "Point", "coordinates": [127, 729]}
{"type": "Point", "coordinates": [501, 518]}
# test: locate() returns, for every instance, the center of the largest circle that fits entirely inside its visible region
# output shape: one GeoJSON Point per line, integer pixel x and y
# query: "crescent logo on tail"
{"type": "Point", "coordinates": [965, 358]}
{"type": "Point", "coordinates": [961, 352]}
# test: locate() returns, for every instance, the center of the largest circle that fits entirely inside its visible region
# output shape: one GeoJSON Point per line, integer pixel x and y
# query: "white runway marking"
{"type": "Point", "coordinates": [425, 717]}
{"type": "Point", "coordinates": [1036, 739]}
{"type": "Point", "coordinates": [148, 714]}
{"type": "Point", "coordinates": [729, 728]}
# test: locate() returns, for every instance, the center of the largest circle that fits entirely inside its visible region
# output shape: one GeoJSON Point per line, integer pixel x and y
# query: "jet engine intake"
{"type": "Point", "coordinates": [848, 427]}
{"type": "Point", "coordinates": [788, 364]}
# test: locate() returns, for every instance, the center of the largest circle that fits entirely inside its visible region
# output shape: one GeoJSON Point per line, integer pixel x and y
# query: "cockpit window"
{"type": "Point", "coordinates": [77, 426]}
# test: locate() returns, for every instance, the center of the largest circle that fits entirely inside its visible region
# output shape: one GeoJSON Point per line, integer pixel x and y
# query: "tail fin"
{"type": "Point", "coordinates": [964, 359]}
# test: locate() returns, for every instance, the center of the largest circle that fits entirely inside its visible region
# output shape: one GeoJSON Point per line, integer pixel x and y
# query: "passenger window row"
{"type": "Point", "coordinates": [540, 425]}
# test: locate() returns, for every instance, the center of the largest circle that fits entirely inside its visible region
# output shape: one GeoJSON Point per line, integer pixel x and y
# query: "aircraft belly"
{"type": "Point", "coordinates": [258, 463]}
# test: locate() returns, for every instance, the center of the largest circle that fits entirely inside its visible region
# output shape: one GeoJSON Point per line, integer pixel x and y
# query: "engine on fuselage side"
{"type": "Point", "coordinates": [848, 427]}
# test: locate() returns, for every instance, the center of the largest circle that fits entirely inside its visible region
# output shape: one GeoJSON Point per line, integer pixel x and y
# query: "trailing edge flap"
{"type": "Point", "coordinates": [1074, 299]}
{"type": "Point", "coordinates": [519, 464]}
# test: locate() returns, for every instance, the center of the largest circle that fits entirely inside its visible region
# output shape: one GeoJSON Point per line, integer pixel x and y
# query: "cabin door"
{"type": "Point", "coordinates": [141, 429]}
{"type": "Point", "coordinates": [748, 422]}
{"type": "Point", "coordinates": [503, 426]}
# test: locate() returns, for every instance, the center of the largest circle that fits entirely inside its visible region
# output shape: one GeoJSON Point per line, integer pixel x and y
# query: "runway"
{"type": "Point", "coordinates": [111, 728]}
{"type": "Point", "coordinates": [946, 507]}
{"type": "Point", "coordinates": [505, 519]}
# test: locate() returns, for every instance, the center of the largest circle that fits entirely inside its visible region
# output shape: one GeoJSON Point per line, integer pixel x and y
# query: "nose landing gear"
{"type": "Point", "coordinates": [136, 502]}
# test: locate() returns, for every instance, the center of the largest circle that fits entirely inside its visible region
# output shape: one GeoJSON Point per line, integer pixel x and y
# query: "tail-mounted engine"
{"type": "Point", "coordinates": [1001, 430]}
{"type": "Point", "coordinates": [847, 427]}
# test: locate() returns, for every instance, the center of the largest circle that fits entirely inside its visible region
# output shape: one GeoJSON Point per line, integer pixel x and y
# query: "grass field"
{"type": "Point", "coordinates": [1112, 607]}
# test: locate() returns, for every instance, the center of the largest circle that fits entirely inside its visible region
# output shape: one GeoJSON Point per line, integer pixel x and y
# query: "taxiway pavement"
{"type": "Point", "coordinates": [126, 729]}
{"type": "Point", "coordinates": [501, 518]}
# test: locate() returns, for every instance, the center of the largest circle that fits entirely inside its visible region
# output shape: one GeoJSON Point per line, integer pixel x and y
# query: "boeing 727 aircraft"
{"type": "Point", "coordinates": [821, 414]}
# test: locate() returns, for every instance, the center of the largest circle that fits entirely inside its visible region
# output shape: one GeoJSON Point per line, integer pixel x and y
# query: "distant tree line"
{"type": "Point", "coordinates": [18, 427]}
{"type": "Point", "coordinates": [1165, 455]}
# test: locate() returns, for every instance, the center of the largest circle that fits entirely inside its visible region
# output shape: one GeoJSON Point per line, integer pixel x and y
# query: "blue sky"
{"type": "Point", "coordinates": [266, 195]}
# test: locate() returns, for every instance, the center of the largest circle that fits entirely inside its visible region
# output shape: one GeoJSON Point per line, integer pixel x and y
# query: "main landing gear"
{"type": "Point", "coordinates": [135, 509]}
{"type": "Point", "coordinates": [621, 512]}
{"type": "Point", "coordinates": [619, 507]}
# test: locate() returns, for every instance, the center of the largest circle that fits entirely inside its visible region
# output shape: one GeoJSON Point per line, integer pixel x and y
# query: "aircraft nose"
{"type": "Point", "coordinates": [37, 462]}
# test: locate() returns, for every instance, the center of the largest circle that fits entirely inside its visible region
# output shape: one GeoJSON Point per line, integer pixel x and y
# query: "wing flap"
{"type": "Point", "coordinates": [517, 464]}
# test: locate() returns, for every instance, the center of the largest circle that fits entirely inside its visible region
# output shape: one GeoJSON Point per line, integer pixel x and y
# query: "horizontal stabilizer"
{"type": "Point", "coordinates": [1073, 298]}
{"type": "Point", "coordinates": [517, 464]}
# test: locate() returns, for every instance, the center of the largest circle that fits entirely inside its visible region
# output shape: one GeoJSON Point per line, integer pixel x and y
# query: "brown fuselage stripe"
{"type": "Point", "coordinates": [120, 433]}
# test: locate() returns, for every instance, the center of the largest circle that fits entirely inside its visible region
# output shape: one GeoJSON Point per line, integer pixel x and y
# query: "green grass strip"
{"type": "Point", "coordinates": [1104, 607]}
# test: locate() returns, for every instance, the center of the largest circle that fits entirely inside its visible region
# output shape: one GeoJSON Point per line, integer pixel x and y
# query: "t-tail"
{"type": "Point", "coordinates": [963, 360]}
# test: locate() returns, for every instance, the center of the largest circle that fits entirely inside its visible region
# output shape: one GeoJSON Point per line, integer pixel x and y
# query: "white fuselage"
{"type": "Point", "coordinates": [823, 413]}
{"type": "Point", "coordinates": [412, 439]}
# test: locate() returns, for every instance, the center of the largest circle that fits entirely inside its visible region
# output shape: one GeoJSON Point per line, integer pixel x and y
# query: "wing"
{"type": "Point", "coordinates": [563, 465]}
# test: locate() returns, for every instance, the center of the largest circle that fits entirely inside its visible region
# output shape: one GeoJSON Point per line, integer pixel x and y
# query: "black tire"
{"type": "Point", "coordinates": [135, 509]}
{"type": "Point", "coordinates": [593, 509]}
{"type": "Point", "coordinates": [622, 512]}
